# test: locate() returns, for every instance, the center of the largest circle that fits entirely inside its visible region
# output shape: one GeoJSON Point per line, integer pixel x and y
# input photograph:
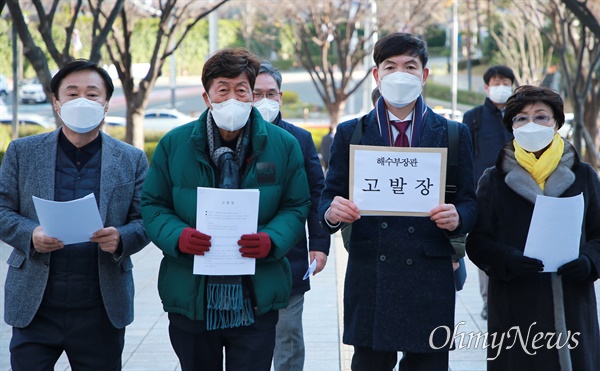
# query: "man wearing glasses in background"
{"type": "Point", "coordinates": [289, 342]}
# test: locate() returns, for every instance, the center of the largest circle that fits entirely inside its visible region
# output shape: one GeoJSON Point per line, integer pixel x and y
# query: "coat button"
{"type": "Point", "coordinates": [384, 225]}
{"type": "Point", "coordinates": [382, 258]}
{"type": "Point", "coordinates": [46, 264]}
{"type": "Point", "coordinates": [411, 229]}
{"type": "Point", "coordinates": [409, 261]}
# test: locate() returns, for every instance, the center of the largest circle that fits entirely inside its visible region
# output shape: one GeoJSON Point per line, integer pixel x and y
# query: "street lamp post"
{"type": "Point", "coordinates": [370, 26]}
{"type": "Point", "coordinates": [213, 30]}
{"type": "Point", "coordinates": [454, 56]}
{"type": "Point", "coordinates": [15, 67]}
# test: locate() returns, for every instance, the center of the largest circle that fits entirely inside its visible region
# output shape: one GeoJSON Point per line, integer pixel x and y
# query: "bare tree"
{"type": "Point", "coordinates": [249, 19]}
{"type": "Point", "coordinates": [176, 18]}
{"type": "Point", "coordinates": [521, 45]}
{"type": "Point", "coordinates": [331, 42]}
{"type": "Point", "coordinates": [575, 37]}
{"type": "Point", "coordinates": [61, 54]}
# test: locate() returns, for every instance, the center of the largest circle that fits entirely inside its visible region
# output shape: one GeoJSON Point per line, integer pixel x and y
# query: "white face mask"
{"type": "Point", "coordinates": [82, 115]}
{"type": "Point", "coordinates": [499, 94]}
{"type": "Point", "coordinates": [231, 115]}
{"type": "Point", "coordinates": [400, 88]}
{"type": "Point", "coordinates": [268, 108]}
{"type": "Point", "coordinates": [533, 137]}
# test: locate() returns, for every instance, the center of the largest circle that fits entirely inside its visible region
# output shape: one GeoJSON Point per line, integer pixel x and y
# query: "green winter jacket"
{"type": "Point", "coordinates": [179, 165]}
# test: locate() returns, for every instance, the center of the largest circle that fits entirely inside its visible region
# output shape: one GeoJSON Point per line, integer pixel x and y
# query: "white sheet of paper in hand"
{"type": "Point", "coordinates": [69, 221]}
{"type": "Point", "coordinates": [555, 231]}
{"type": "Point", "coordinates": [311, 268]}
{"type": "Point", "coordinates": [225, 215]}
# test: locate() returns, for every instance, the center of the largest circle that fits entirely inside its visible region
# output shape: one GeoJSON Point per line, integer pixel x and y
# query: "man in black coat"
{"type": "Point", "coordinates": [399, 289]}
{"type": "Point", "coordinates": [489, 135]}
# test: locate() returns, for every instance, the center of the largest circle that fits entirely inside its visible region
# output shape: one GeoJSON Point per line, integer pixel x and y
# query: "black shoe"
{"type": "Point", "coordinates": [484, 313]}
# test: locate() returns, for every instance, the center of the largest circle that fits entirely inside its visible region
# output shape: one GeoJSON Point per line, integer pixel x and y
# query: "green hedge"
{"type": "Point", "coordinates": [149, 148]}
{"type": "Point", "coordinates": [443, 92]}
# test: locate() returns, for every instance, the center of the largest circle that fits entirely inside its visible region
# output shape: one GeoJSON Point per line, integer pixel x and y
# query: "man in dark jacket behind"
{"type": "Point", "coordinates": [289, 345]}
{"type": "Point", "coordinates": [489, 135]}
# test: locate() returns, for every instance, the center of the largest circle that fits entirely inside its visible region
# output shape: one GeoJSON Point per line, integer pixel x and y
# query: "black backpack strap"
{"type": "Point", "coordinates": [358, 130]}
{"type": "Point", "coordinates": [477, 115]}
{"type": "Point", "coordinates": [452, 160]}
{"type": "Point", "coordinates": [357, 134]}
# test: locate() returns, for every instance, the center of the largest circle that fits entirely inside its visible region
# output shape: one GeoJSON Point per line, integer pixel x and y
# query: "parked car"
{"type": "Point", "coordinates": [32, 91]}
{"type": "Point", "coordinates": [3, 86]}
{"type": "Point", "coordinates": [28, 119]}
{"type": "Point", "coordinates": [115, 121]}
{"type": "Point", "coordinates": [3, 108]}
{"type": "Point", "coordinates": [567, 129]}
{"type": "Point", "coordinates": [447, 113]}
{"type": "Point", "coordinates": [164, 119]}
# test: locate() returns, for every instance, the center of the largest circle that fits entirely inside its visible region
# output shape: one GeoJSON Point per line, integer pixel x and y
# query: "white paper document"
{"type": "Point", "coordinates": [311, 269]}
{"type": "Point", "coordinates": [69, 221]}
{"type": "Point", "coordinates": [555, 231]}
{"type": "Point", "coordinates": [225, 215]}
{"type": "Point", "coordinates": [399, 181]}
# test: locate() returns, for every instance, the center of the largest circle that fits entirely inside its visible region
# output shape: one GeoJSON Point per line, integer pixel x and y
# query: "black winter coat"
{"type": "Point", "coordinates": [318, 238]}
{"type": "Point", "coordinates": [399, 287]}
{"type": "Point", "coordinates": [541, 302]}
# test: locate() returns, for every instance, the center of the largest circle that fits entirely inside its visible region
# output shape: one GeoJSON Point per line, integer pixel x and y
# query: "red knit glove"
{"type": "Point", "coordinates": [255, 245]}
{"type": "Point", "coordinates": [193, 242]}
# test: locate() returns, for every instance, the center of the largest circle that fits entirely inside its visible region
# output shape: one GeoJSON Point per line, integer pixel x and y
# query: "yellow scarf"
{"type": "Point", "coordinates": [541, 168]}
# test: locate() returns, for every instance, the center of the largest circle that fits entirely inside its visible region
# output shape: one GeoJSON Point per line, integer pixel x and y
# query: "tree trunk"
{"type": "Point", "coordinates": [335, 110]}
{"type": "Point", "coordinates": [134, 133]}
{"type": "Point", "coordinates": [590, 118]}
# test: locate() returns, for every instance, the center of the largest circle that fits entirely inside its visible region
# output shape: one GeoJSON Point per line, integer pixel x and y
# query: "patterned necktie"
{"type": "Point", "coordinates": [402, 138]}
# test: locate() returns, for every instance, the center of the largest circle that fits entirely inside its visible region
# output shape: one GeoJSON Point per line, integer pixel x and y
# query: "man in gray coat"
{"type": "Point", "coordinates": [75, 298]}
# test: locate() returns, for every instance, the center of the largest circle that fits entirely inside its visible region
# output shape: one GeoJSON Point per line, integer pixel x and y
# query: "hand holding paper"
{"type": "Point", "coordinates": [518, 264]}
{"type": "Point", "coordinates": [255, 245]}
{"type": "Point", "coordinates": [310, 270]}
{"type": "Point", "coordinates": [193, 242]}
{"type": "Point", "coordinates": [43, 243]}
{"type": "Point", "coordinates": [576, 270]}
{"type": "Point", "coordinates": [107, 239]}
{"type": "Point", "coordinates": [69, 221]}
{"type": "Point", "coordinates": [320, 259]}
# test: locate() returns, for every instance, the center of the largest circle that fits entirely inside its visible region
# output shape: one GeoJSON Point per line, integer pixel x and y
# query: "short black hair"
{"type": "Point", "coordinates": [375, 94]}
{"type": "Point", "coordinates": [525, 95]}
{"type": "Point", "coordinates": [400, 43]}
{"type": "Point", "coordinates": [498, 71]}
{"type": "Point", "coordinates": [81, 65]}
{"type": "Point", "coordinates": [230, 63]}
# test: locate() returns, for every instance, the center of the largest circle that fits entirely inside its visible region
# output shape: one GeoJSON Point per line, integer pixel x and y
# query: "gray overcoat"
{"type": "Point", "coordinates": [28, 169]}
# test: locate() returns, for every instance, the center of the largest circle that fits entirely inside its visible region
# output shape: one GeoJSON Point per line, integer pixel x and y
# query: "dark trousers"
{"type": "Point", "coordinates": [85, 334]}
{"type": "Point", "coordinates": [247, 348]}
{"type": "Point", "coordinates": [367, 359]}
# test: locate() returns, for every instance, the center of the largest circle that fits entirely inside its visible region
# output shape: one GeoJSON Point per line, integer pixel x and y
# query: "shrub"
{"type": "Point", "coordinates": [317, 135]}
{"type": "Point", "coordinates": [290, 97]}
{"type": "Point", "coordinates": [149, 148]}
{"type": "Point", "coordinates": [443, 92]}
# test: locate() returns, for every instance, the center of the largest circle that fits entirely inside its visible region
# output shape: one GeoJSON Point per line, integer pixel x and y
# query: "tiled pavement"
{"type": "Point", "coordinates": [147, 346]}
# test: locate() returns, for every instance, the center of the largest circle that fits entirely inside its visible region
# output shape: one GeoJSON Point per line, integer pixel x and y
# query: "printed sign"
{"type": "Point", "coordinates": [397, 180]}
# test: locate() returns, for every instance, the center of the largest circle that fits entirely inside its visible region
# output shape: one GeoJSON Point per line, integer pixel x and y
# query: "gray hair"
{"type": "Point", "coordinates": [267, 67]}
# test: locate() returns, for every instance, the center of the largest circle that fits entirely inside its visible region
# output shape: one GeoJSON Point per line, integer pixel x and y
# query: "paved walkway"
{"type": "Point", "coordinates": [147, 346]}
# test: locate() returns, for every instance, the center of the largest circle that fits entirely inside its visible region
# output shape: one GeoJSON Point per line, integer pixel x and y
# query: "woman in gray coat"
{"type": "Point", "coordinates": [537, 321]}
